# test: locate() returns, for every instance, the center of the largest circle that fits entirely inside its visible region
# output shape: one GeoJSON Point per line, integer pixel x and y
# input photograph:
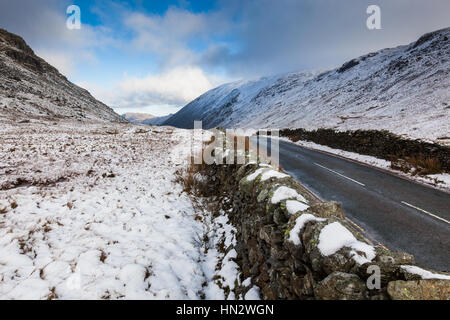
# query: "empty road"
{"type": "Point", "coordinates": [400, 214]}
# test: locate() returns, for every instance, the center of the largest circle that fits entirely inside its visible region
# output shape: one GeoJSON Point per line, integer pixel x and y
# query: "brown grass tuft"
{"type": "Point", "coordinates": [103, 256]}
{"type": "Point", "coordinates": [190, 180]}
{"type": "Point", "coordinates": [418, 165]}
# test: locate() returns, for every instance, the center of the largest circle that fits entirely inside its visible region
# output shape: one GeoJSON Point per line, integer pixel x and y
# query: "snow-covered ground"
{"type": "Point", "coordinates": [440, 181]}
{"type": "Point", "coordinates": [94, 211]}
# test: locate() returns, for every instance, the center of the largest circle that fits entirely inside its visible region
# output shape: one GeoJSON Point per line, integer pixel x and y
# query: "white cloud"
{"type": "Point", "coordinates": [170, 89]}
{"type": "Point", "coordinates": [170, 36]}
{"type": "Point", "coordinates": [176, 86]}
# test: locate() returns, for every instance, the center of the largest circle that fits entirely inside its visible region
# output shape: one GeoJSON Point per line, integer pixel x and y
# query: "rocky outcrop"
{"type": "Point", "coordinates": [294, 246]}
{"type": "Point", "coordinates": [32, 88]}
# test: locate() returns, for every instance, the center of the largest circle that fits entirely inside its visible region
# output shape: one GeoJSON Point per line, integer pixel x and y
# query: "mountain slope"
{"type": "Point", "coordinates": [405, 90]}
{"type": "Point", "coordinates": [30, 87]}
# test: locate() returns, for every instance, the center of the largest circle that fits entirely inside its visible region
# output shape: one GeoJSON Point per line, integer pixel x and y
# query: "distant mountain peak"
{"type": "Point", "coordinates": [145, 118]}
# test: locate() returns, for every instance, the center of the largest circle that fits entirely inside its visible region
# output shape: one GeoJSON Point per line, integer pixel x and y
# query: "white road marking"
{"type": "Point", "coordinates": [424, 211]}
{"type": "Point", "coordinates": [362, 184]}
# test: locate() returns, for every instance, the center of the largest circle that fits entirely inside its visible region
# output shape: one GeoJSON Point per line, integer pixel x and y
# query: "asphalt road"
{"type": "Point", "coordinates": [400, 214]}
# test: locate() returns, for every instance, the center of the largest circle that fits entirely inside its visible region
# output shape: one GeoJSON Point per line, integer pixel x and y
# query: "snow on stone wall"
{"type": "Point", "coordinates": [292, 246]}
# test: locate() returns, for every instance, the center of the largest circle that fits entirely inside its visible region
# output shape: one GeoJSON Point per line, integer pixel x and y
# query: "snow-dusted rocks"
{"type": "Point", "coordinates": [294, 206]}
{"type": "Point", "coordinates": [273, 174]}
{"type": "Point", "coordinates": [31, 88]}
{"type": "Point", "coordinates": [284, 193]}
{"type": "Point", "coordinates": [299, 224]}
{"type": "Point", "coordinates": [220, 268]}
{"type": "Point", "coordinates": [335, 236]}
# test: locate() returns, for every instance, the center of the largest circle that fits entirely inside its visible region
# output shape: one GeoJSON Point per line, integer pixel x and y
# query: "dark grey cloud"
{"type": "Point", "coordinates": [43, 26]}
{"type": "Point", "coordinates": [268, 36]}
{"type": "Point", "coordinates": [286, 35]}
{"type": "Point", "coordinates": [38, 22]}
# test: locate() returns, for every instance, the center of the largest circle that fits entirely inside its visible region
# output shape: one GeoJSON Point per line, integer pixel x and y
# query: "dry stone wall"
{"type": "Point", "coordinates": [294, 246]}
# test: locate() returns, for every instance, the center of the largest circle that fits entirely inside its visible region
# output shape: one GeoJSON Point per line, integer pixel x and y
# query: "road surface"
{"type": "Point", "coordinates": [400, 214]}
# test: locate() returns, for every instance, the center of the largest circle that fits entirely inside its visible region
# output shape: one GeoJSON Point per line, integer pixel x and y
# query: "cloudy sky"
{"type": "Point", "coordinates": [155, 56]}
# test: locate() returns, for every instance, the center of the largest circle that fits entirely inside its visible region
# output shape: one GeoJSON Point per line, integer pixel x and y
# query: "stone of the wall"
{"type": "Point", "coordinates": [343, 286]}
{"type": "Point", "coordinates": [419, 289]}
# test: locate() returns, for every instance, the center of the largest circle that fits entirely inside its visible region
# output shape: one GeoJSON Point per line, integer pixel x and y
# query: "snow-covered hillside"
{"type": "Point", "coordinates": [31, 88]}
{"type": "Point", "coordinates": [405, 90]}
{"type": "Point", "coordinates": [95, 211]}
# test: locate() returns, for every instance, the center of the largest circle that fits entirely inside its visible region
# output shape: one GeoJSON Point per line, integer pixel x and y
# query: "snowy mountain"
{"type": "Point", "coordinates": [145, 118]}
{"type": "Point", "coordinates": [136, 117]}
{"type": "Point", "coordinates": [31, 88]}
{"type": "Point", "coordinates": [157, 121]}
{"type": "Point", "coordinates": [405, 90]}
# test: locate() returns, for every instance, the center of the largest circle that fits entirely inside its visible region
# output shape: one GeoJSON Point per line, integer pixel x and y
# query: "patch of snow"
{"type": "Point", "coordinates": [252, 294]}
{"type": "Point", "coordinates": [283, 193]}
{"type": "Point", "coordinates": [299, 224]}
{"type": "Point", "coordinates": [442, 179]}
{"type": "Point", "coordinates": [219, 267]}
{"type": "Point", "coordinates": [294, 206]}
{"type": "Point", "coordinates": [31, 289]}
{"type": "Point", "coordinates": [335, 236]}
{"type": "Point", "coordinates": [255, 174]}
{"type": "Point", "coordinates": [247, 282]}
{"type": "Point", "coordinates": [273, 174]}
{"type": "Point", "coordinates": [425, 274]}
